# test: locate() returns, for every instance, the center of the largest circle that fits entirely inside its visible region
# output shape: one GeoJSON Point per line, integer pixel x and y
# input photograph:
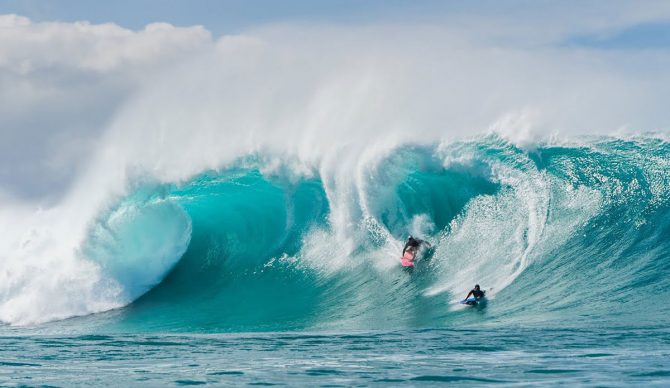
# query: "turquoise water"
{"type": "Point", "coordinates": [256, 273]}
{"type": "Point", "coordinates": [502, 356]}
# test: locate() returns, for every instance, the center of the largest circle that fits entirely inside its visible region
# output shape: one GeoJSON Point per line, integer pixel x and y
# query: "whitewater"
{"type": "Point", "coordinates": [253, 201]}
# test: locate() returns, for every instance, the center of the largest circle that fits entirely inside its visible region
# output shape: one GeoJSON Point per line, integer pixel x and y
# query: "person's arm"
{"type": "Point", "coordinates": [405, 248]}
{"type": "Point", "coordinates": [469, 293]}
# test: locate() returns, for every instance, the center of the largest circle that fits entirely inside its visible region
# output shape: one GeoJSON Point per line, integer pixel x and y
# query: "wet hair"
{"type": "Point", "coordinates": [476, 286]}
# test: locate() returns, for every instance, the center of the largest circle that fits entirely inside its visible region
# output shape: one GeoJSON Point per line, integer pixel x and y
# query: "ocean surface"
{"type": "Point", "coordinates": [501, 356]}
{"type": "Point", "coordinates": [264, 271]}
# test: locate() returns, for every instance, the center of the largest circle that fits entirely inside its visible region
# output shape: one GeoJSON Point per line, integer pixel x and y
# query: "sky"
{"type": "Point", "coordinates": [634, 24]}
{"type": "Point", "coordinates": [75, 74]}
{"type": "Point", "coordinates": [228, 16]}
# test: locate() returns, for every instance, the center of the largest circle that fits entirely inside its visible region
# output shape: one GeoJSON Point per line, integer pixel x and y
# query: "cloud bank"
{"type": "Point", "coordinates": [62, 82]}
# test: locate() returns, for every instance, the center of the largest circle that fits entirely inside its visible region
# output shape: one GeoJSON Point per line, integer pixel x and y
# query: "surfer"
{"type": "Point", "coordinates": [412, 244]}
{"type": "Point", "coordinates": [410, 251]}
{"type": "Point", "coordinates": [476, 292]}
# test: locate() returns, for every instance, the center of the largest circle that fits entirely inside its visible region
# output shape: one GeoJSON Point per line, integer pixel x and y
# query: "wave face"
{"type": "Point", "coordinates": [560, 234]}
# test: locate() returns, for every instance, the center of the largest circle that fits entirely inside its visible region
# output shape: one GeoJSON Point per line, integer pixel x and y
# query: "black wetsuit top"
{"type": "Point", "coordinates": [412, 242]}
{"type": "Point", "coordinates": [477, 294]}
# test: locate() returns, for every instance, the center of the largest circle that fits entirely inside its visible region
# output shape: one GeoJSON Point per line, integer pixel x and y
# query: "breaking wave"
{"type": "Point", "coordinates": [568, 233]}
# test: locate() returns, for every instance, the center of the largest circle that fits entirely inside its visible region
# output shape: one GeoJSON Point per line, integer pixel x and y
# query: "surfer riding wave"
{"type": "Point", "coordinates": [410, 251]}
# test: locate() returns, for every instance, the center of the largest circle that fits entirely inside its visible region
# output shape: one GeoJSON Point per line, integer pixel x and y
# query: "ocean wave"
{"type": "Point", "coordinates": [549, 230]}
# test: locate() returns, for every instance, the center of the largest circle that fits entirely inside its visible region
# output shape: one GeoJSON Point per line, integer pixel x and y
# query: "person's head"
{"type": "Point", "coordinates": [477, 287]}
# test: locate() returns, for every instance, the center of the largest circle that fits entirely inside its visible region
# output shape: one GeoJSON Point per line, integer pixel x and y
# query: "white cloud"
{"type": "Point", "coordinates": [27, 47]}
{"type": "Point", "coordinates": [61, 83]}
